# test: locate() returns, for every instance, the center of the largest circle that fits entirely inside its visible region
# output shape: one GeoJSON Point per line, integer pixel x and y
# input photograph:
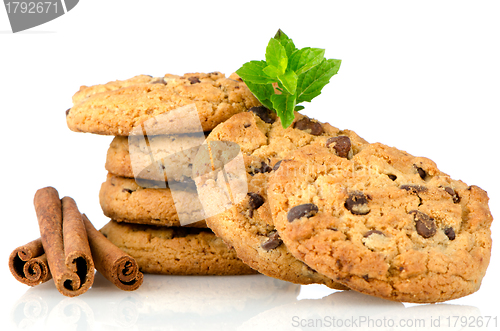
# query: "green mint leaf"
{"type": "Point", "coordinates": [288, 76]}
{"type": "Point", "coordinates": [305, 58]}
{"type": "Point", "coordinates": [280, 35]}
{"type": "Point", "coordinates": [286, 42]}
{"type": "Point", "coordinates": [311, 82]}
{"type": "Point", "coordinates": [253, 72]}
{"type": "Point", "coordinates": [276, 56]}
{"type": "Point", "coordinates": [284, 104]}
{"type": "Point", "coordinates": [271, 71]}
{"type": "Point", "coordinates": [262, 92]}
{"type": "Point", "coordinates": [289, 81]}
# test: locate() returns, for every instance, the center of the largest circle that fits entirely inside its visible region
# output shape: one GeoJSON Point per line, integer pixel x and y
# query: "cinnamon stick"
{"type": "Point", "coordinates": [117, 266]}
{"type": "Point", "coordinates": [68, 254]}
{"type": "Point", "coordinates": [28, 263]}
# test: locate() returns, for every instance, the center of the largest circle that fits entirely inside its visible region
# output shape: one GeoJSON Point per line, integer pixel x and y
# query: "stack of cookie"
{"type": "Point", "coordinates": [324, 206]}
{"type": "Point", "coordinates": [311, 204]}
{"type": "Point", "coordinates": [138, 193]}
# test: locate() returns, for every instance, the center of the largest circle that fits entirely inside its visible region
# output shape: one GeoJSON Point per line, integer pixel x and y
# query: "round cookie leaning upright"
{"type": "Point", "coordinates": [383, 222]}
{"type": "Point", "coordinates": [117, 107]}
{"type": "Point", "coordinates": [247, 225]}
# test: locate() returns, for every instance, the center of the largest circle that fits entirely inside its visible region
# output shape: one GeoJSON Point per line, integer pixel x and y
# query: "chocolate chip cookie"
{"type": "Point", "coordinates": [124, 200]}
{"type": "Point", "coordinates": [175, 250]}
{"type": "Point", "coordinates": [382, 222]}
{"type": "Point", "coordinates": [247, 225]}
{"type": "Point", "coordinates": [175, 152]}
{"type": "Point", "coordinates": [117, 107]}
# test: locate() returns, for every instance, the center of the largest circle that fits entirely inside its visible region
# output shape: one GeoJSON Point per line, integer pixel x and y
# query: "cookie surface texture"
{"type": "Point", "coordinates": [247, 225]}
{"type": "Point", "coordinates": [117, 107]}
{"type": "Point", "coordinates": [123, 200]}
{"type": "Point", "coordinates": [383, 222]}
{"type": "Point", "coordinates": [174, 151]}
{"type": "Point", "coordinates": [175, 250]}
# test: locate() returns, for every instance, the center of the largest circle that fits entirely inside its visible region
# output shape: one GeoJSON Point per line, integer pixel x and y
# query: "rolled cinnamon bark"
{"type": "Point", "coordinates": [28, 263]}
{"type": "Point", "coordinates": [71, 266]}
{"type": "Point", "coordinates": [117, 266]}
{"type": "Point", "coordinates": [78, 256]}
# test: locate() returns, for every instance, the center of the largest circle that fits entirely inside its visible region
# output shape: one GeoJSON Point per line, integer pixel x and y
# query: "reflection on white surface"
{"type": "Point", "coordinates": [254, 302]}
{"type": "Point", "coordinates": [349, 310]}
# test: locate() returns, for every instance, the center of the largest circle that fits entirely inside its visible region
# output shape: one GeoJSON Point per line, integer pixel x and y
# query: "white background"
{"type": "Point", "coordinates": [423, 76]}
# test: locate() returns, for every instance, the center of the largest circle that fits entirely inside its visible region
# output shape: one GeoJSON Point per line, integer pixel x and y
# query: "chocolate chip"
{"type": "Point", "coordinates": [305, 210]}
{"type": "Point", "coordinates": [194, 80]}
{"type": "Point", "coordinates": [392, 177]}
{"type": "Point", "coordinates": [127, 190]}
{"type": "Point", "coordinates": [273, 241]}
{"type": "Point", "coordinates": [357, 203]}
{"type": "Point", "coordinates": [263, 113]}
{"type": "Point", "coordinates": [256, 200]}
{"type": "Point", "coordinates": [263, 169]}
{"type": "Point", "coordinates": [453, 193]}
{"type": "Point", "coordinates": [158, 81]}
{"type": "Point", "coordinates": [342, 145]}
{"type": "Point", "coordinates": [450, 233]}
{"type": "Point", "coordinates": [305, 124]}
{"type": "Point", "coordinates": [277, 165]}
{"type": "Point", "coordinates": [421, 172]}
{"type": "Point", "coordinates": [372, 232]}
{"type": "Point", "coordinates": [425, 225]}
{"type": "Point", "coordinates": [67, 111]}
{"type": "Point", "coordinates": [247, 125]}
{"type": "Point", "coordinates": [413, 188]}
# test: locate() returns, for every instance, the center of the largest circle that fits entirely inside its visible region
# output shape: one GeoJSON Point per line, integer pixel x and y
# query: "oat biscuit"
{"type": "Point", "coordinates": [175, 250]}
{"type": "Point", "coordinates": [247, 226]}
{"type": "Point", "coordinates": [117, 107]}
{"type": "Point", "coordinates": [124, 200]}
{"type": "Point", "coordinates": [383, 222]}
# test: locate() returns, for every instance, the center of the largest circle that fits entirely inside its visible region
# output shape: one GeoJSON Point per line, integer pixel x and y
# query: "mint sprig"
{"type": "Point", "coordinates": [298, 76]}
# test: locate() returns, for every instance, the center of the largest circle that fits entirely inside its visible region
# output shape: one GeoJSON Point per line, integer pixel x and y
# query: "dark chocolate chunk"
{"type": "Point", "coordinates": [127, 190]}
{"type": "Point", "coordinates": [450, 233]}
{"type": "Point", "coordinates": [372, 232]}
{"type": "Point", "coordinates": [277, 165]}
{"type": "Point", "coordinates": [413, 188]}
{"type": "Point", "coordinates": [247, 125]}
{"type": "Point", "coordinates": [453, 193]}
{"type": "Point", "coordinates": [305, 210]}
{"type": "Point", "coordinates": [342, 145]}
{"type": "Point", "coordinates": [425, 225]}
{"type": "Point", "coordinates": [263, 168]}
{"type": "Point", "coordinates": [392, 177]}
{"type": "Point", "coordinates": [305, 124]}
{"type": "Point", "coordinates": [421, 172]}
{"type": "Point", "coordinates": [263, 113]}
{"type": "Point", "coordinates": [158, 81]}
{"type": "Point", "coordinates": [194, 80]}
{"type": "Point", "coordinates": [273, 241]}
{"type": "Point", "coordinates": [67, 111]}
{"type": "Point", "coordinates": [357, 203]}
{"type": "Point", "coordinates": [255, 201]}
